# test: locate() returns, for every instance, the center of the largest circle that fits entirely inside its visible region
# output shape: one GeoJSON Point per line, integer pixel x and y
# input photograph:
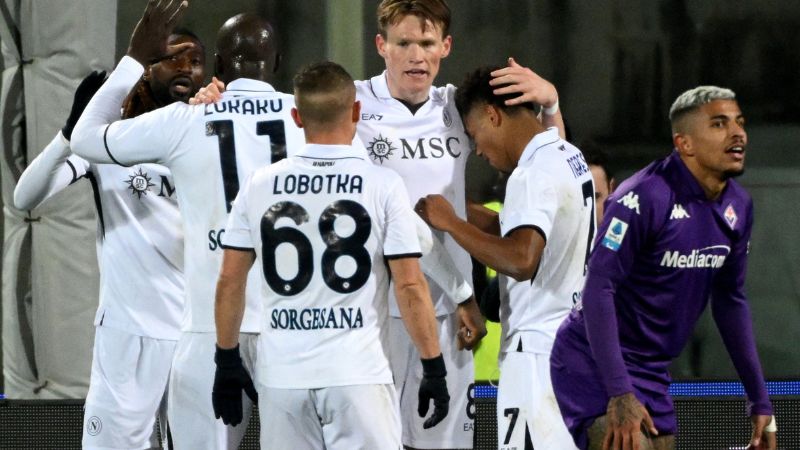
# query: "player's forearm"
{"type": "Point", "coordinates": [735, 326]}
{"type": "Point", "coordinates": [45, 175]}
{"type": "Point", "coordinates": [556, 120]}
{"type": "Point", "coordinates": [603, 334]}
{"type": "Point", "coordinates": [484, 218]}
{"type": "Point", "coordinates": [229, 310]}
{"type": "Point", "coordinates": [88, 138]}
{"type": "Point", "coordinates": [503, 254]}
{"type": "Point", "coordinates": [416, 309]}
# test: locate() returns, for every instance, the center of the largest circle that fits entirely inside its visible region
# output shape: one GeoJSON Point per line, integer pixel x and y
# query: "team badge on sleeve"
{"type": "Point", "coordinates": [615, 234]}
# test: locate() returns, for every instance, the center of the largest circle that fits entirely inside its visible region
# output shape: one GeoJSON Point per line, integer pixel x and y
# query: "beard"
{"type": "Point", "coordinates": [733, 173]}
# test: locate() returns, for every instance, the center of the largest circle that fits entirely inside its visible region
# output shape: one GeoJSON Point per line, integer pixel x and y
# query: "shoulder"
{"type": "Point", "coordinates": [365, 90]}
{"type": "Point", "coordinates": [647, 184]}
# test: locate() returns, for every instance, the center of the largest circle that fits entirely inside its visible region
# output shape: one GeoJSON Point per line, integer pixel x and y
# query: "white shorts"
{"type": "Point", "coordinates": [456, 430]}
{"type": "Point", "coordinates": [191, 415]}
{"type": "Point", "coordinates": [340, 417]}
{"type": "Point", "coordinates": [526, 404]}
{"type": "Point", "coordinates": [127, 384]}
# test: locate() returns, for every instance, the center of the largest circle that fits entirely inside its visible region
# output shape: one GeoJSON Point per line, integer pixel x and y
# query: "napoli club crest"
{"type": "Point", "coordinates": [446, 118]}
{"type": "Point", "coordinates": [380, 149]}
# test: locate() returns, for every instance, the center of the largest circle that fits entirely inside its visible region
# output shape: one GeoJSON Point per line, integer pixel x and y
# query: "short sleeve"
{"type": "Point", "coordinates": [531, 201]}
{"type": "Point", "coordinates": [627, 225]}
{"type": "Point", "coordinates": [400, 239]}
{"type": "Point", "coordinates": [237, 230]}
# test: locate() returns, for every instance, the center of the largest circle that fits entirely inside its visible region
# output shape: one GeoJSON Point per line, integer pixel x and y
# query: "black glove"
{"type": "Point", "coordinates": [83, 94]}
{"type": "Point", "coordinates": [433, 387]}
{"type": "Point", "coordinates": [229, 380]}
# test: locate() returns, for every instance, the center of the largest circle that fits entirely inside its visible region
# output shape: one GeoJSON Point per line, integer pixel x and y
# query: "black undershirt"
{"type": "Point", "coordinates": [413, 107]}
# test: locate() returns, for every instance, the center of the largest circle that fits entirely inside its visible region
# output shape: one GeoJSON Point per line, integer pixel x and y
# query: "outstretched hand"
{"type": "Point", "coordinates": [209, 94]}
{"type": "Point", "coordinates": [525, 82]}
{"type": "Point", "coordinates": [149, 39]}
{"type": "Point", "coordinates": [626, 417]}
{"type": "Point", "coordinates": [85, 91]}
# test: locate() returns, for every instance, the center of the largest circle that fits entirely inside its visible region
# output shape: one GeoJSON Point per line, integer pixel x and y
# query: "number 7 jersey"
{"type": "Point", "coordinates": [322, 224]}
{"type": "Point", "coordinates": [211, 150]}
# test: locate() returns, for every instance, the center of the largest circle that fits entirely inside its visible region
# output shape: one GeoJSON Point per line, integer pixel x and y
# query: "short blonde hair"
{"type": "Point", "coordinates": [391, 12]}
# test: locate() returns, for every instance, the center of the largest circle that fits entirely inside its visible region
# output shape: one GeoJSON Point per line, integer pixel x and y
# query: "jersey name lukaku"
{"type": "Point", "coordinates": [428, 149]}
{"type": "Point", "coordinates": [210, 150]}
{"type": "Point", "coordinates": [330, 218]}
{"type": "Point", "coordinates": [550, 190]}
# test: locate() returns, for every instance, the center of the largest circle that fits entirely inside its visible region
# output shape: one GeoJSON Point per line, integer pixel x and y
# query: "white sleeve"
{"type": "Point", "coordinates": [531, 201]}
{"type": "Point", "coordinates": [237, 229]}
{"type": "Point", "coordinates": [98, 138]}
{"type": "Point", "coordinates": [437, 264]}
{"type": "Point", "coordinates": [400, 239]}
{"type": "Point", "coordinates": [49, 173]}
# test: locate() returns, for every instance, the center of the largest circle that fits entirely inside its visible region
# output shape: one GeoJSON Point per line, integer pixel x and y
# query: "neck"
{"type": "Point", "coordinates": [408, 96]}
{"type": "Point", "coordinates": [335, 136]}
{"type": "Point", "coordinates": [711, 183]}
{"type": "Point", "coordinates": [523, 129]}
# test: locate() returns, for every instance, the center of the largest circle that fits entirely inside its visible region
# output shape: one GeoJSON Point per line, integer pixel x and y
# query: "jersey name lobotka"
{"type": "Point", "coordinates": [317, 184]}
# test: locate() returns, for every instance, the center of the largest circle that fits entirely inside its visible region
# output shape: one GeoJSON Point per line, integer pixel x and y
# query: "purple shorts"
{"type": "Point", "coordinates": [580, 392]}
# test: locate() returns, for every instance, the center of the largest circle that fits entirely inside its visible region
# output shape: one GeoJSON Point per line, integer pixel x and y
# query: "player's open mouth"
{"type": "Point", "coordinates": [417, 73]}
{"type": "Point", "coordinates": [181, 85]}
{"type": "Point", "coordinates": [737, 151]}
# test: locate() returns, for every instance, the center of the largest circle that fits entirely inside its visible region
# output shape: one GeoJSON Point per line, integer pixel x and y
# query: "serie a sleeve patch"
{"type": "Point", "coordinates": [615, 234]}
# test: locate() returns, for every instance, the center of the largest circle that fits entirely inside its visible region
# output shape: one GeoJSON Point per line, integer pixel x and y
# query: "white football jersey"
{"type": "Point", "coordinates": [331, 218]}
{"type": "Point", "coordinates": [428, 149]}
{"type": "Point", "coordinates": [139, 237]}
{"type": "Point", "coordinates": [550, 190]}
{"type": "Point", "coordinates": [210, 150]}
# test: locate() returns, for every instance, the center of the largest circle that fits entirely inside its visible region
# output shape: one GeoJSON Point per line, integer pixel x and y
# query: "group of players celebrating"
{"type": "Point", "coordinates": [261, 269]}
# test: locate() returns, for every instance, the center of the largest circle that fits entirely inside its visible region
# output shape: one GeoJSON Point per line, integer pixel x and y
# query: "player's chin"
{"type": "Point", "coordinates": [733, 172]}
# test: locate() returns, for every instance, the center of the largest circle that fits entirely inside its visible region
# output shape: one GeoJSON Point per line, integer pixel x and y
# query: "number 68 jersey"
{"type": "Point", "coordinates": [322, 224]}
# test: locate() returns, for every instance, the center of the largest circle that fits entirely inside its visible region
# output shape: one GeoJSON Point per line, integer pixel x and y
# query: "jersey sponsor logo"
{"type": "Point", "coordinates": [712, 257]}
{"type": "Point", "coordinates": [615, 234]}
{"type": "Point", "coordinates": [370, 116]}
{"type": "Point", "coordinates": [335, 183]}
{"type": "Point", "coordinates": [577, 164]}
{"type": "Point", "coordinates": [380, 148]}
{"type": "Point", "coordinates": [678, 212]}
{"type": "Point", "coordinates": [316, 318]}
{"type": "Point", "coordinates": [252, 107]}
{"type": "Point", "coordinates": [435, 147]}
{"type": "Point", "coordinates": [631, 201]}
{"type": "Point", "coordinates": [139, 183]}
{"type": "Point", "coordinates": [730, 216]}
{"type": "Point", "coordinates": [93, 426]}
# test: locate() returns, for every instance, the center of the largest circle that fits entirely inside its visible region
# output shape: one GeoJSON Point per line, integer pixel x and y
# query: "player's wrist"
{"type": "Point", "coordinates": [551, 110]}
{"type": "Point", "coordinates": [227, 357]}
{"type": "Point", "coordinates": [433, 367]}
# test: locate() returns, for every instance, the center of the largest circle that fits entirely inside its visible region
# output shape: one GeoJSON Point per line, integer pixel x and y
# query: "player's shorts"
{"type": "Point", "coordinates": [341, 417]}
{"type": "Point", "coordinates": [191, 415]}
{"type": "Point", "coordinates": [582, 397]}
{"type": "Point", "coordinates": [526, 405]}
{"type": "Point", "coordinates": [456, 430]}
{"type": "Point", "coordinates": [127, 384]}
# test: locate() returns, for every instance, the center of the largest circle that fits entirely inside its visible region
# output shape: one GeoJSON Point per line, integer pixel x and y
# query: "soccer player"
{"type": "Point", "coordinates": [140, 253]}
{"type": "Point", "coordinates": [325, 380]}
{"type": "Point", "coordinates": [413, 128]}
{"type": "Point", "coordinates": [673, 235]}
{"type": "Point", "coordinates": [540, 246]}
{"type": "Point", "coordinates": [209, 151]}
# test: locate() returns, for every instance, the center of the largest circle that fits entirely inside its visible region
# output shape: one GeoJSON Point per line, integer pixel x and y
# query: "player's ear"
{"type": "Point", "coordinates": [448, 44]}
{"type": "Point", "coordinates": [218, 66]}
{"type": "Point", "coordinates": [356, 111]}
{"type": "Point", "coordinates": [296, 117]}
{"type": "Point", "coordinates": [493, 113]}
{"type": "Point", "coordinates": [380, 44]}
{"type": "Point", "coordinates": [612, 185]}
{"type": "Point", "coordinates": [683, 143]}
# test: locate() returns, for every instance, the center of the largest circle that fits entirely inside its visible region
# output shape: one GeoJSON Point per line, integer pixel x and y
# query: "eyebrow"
{"type": "Point", "coordinates": [726, 117]}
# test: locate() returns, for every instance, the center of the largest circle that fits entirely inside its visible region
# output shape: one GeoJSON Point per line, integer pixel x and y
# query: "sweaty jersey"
{"type": "Point", "coordinates": [331, 218]}
{"type": "Point", "coordinates": [139, 237]}
{"type": "Point", "coordinates": [428, 149]}
{"type": "Point", "coordinates": [662, 251]}
{"type": "Point", "coordinates": [550, 190]}
{"type": "Point", "coordinates": [210, 150]}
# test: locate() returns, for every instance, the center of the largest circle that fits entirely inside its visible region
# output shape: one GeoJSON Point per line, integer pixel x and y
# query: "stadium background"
{"type": "Point", "coordinates": [618, 64]}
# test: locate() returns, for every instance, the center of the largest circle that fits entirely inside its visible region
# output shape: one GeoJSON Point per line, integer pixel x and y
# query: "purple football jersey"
{"type": "Point", "coordinates": [662, 251]}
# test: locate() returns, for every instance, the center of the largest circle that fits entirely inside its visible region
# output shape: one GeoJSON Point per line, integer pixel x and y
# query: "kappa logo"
{"type": "Point", "coordinates": [139, 183]}
{"type": "Point", "coordinates": [730, 216]}
{"type": "Point", "coordinates": [631, 201]}
{"type": "Point", "coordinates": [678, 212]}
{"type": "Point", "coordinates": [94, 425]}
{"type": "Point", "coordinates": [615, 234]}
{"type": "Point", "coordinates": [380, 148]}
